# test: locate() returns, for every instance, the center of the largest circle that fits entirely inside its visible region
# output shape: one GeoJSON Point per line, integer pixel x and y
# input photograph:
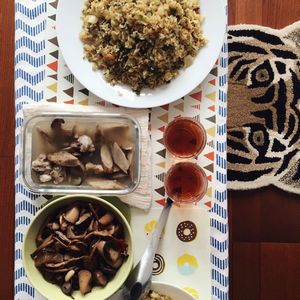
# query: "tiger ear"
{"type": "Point", "coordinates": [292, 32]}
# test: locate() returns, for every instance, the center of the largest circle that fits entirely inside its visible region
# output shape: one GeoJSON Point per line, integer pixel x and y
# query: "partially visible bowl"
{"type": "Point", "coordinates": [53, 292]}
{"type": "Point", "coordinates": [172, 291]}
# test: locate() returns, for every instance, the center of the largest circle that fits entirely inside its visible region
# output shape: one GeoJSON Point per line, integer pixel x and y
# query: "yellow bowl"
{"type": "Point", "coordinates": [52, 291]}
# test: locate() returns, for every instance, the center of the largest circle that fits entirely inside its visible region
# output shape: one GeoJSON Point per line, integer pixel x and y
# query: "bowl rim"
{"type": "Point", "coordinates": [173, 286]}
{"type": "Point", "coordinates": [61, 199]}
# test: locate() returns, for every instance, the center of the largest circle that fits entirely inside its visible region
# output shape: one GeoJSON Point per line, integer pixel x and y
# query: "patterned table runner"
{"type": "Point", "coordinates": [41, 75]}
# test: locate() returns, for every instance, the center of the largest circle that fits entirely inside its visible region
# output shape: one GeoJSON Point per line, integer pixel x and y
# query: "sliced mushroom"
{"type": "Point", "coordinates": [63, 158]}
{"type": "Point", "coordinates": [119, 157]}
{"type": "Point", "coordinates": [118, 175]}
{"type": "Point", "coordinates": [58, 174]}
{"type": "Point", "coordinates": [61, 137]}
{"type": "Point", "coordinates": [86, 144]}
{"type": "Point", "coordinates": [83, 218]}
{"type": "Point", "coordinates": [45, 178]}
{"type": "Point", "coordinates": [67, 288]}
{"type": "Point", "coordinates": [63, 237]}
{"type": "Point", "coordinates": [100, 278]}
{"type": "Point", "coordinates": [119, 133]}
{"type": "Point", "coordinates": [65, 264]}
{"type": "Point", "coordinates": [86, 253]}
{"type": "Point", "coordinates": [85, 277]}
{"type": "Point", "coordinates": [72, 236]}
{"type": "Point", "coordinates": [103, 184]}
{"type": "Point", "coordinates": [72, 214]}
{"type": "Point", "coordinates": [106, 219]}
{"type": "Point", "coordinates": [106, 158]}
{"type": "Point", "coordinates": [76, 175]}
{"type": "Point", "coordinates": [111, 255]}
{"type": "Point", "coordinates": [45, 257]}
{"type": "Point", "coordinates": [47, 242]}
{"type": "Point", "coordinates": [94, 169]}
{"type": "Point", "coordinates": [130, 155]}
{"type": "Point", "coordinates": [41, 164]}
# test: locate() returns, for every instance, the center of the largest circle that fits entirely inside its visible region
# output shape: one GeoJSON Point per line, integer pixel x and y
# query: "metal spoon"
{"type": "Point", "coordinates": [139, 280]}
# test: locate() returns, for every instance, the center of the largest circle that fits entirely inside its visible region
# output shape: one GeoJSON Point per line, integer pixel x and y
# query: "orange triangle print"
{"type": "Point", "coordinates": [164, 118]}
{"type": "Point", "coordinates": [69, 101]}
{"type": "Point", "coordinates": [213, 82]}
{"type": "Point", "coordinates": [53, 66]}
{"type": "Point", "coordinates": [210, 155]}
{"type": "Point", "coordinates": [197, 96]}
{"type": "Point", "coordinates": [161, 202]}
{"type": "Point", "coordinates": [209, 178]}
{"type": "Point", "coordinates": [162, 129]}
{"type": "Point", "coordinates": [162, 165]}
{"type": "Point", "coordinates": [212, 108]}
{"type": "Point", "coordinates": [208, 203]}
{"type": "Point", "coordinates": [53, 87]}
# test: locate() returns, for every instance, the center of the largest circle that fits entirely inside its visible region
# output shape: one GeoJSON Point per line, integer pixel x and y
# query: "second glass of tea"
{"type": "Point", "coordinates": [186, 182]}
{"type": "Point", "coordinates": [185, 137]}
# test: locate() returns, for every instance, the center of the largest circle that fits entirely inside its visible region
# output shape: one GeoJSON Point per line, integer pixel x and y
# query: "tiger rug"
{"type": "Point", "coordinates": [264, 107]}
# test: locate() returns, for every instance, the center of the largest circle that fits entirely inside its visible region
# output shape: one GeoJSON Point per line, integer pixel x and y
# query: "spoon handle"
{"type": "Point", "coordinates": [146, 263]}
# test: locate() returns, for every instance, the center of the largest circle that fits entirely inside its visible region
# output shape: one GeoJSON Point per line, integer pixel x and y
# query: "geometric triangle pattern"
{"type": "Point", "coordinates": [160, 177]}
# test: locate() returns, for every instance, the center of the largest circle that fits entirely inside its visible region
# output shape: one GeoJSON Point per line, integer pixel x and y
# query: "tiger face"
{"type": "Point", "coordinates": [264, 107]}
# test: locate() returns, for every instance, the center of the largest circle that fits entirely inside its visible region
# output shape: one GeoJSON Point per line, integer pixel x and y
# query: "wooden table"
{"type": "Point", "coordinates": [264, 224]}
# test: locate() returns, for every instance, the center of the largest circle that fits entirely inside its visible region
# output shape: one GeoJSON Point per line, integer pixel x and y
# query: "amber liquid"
{"type": "Point", "coordinates": [185, 137]}
{"type": "Point", "coordinates": [186, 182]}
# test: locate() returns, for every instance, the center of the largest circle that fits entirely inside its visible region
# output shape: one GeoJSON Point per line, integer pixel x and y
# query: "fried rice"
{"type": "Point", "coordinates": [155, 296]}
{"type": "Point", "coordinates": [141, 43]}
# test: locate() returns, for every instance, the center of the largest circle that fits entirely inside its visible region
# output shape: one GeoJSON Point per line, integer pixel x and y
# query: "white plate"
{"type": "Point", "coordinates": [69, 26]}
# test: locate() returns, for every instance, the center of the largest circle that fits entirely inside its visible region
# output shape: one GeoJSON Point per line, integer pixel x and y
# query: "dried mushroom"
{"type": "Point", "coordinates": [87, 253]}
{"type": "Point", "coordinates": [101, 158]}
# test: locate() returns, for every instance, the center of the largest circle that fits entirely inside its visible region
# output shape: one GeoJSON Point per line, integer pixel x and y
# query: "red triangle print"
{"type": "Point", "coordinates": [69, 101]}
{"type": "Point", "coordinates": [53, 66]}
{"type": "Point", "coordinates": [212, 108]}
{"type": "Point", "coordinates": [165, 107]}
{"type": "Point", "coordinates": [101, 103]}
{"type": "Point", "coordinates": [161, 141]}
{"type": "Point", "coordinates": [210, 155]}
{"type": "Point", "coordinates": [162, 129]}
{"type": "Point", "coordinates": [197, 96]}
{"type": "Point", "coordinates": [161, 202]}
{"type": "Point", "coordinates": [213, 82]}
{"type": "Point", "coordinates": [209, 178]}
{"type": "Point", "coordinates": [208, 204]}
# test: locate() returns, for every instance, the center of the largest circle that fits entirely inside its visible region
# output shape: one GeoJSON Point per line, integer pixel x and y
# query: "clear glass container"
{"type": "Point", "coordinates": [35, 143]}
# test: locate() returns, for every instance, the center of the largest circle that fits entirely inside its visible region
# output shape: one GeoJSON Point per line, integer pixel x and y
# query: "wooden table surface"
{"type": "Point", "coordinates": [264, 224]}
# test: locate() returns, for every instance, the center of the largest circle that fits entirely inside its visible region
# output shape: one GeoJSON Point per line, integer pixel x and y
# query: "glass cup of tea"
{"type": "Point", "coordinates": [185, 137]}
{"type": "Point", "coordinates": [186, 182]}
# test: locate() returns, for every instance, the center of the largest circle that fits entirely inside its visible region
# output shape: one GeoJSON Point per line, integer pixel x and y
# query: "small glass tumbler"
{"type": "Point", "coordinates": [185, 137]}
{"type": "Point", "coordinates": [186, 182]}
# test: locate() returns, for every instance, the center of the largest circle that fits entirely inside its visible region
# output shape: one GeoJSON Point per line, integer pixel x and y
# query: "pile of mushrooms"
{"type": "Point", "coordinates": [102, 158]}
{"type": "Point", "coordinates": [79, 247]}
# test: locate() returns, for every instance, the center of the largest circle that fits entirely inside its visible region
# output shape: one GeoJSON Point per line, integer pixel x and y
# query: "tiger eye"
{"type": "Point", "coordinates": [262, 75]}
{"type": "Point", "coordinates": [259, 138]}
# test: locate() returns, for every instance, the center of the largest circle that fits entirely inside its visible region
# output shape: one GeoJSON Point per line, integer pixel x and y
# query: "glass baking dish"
{"type": "Point", "coordinates": [36, 142]}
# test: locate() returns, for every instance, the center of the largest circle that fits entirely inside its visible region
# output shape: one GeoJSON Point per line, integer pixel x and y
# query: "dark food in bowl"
{"type": "Point", "coordinates": [101, 158]}
{"type": "Point", "coordinates": [80, 246]}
